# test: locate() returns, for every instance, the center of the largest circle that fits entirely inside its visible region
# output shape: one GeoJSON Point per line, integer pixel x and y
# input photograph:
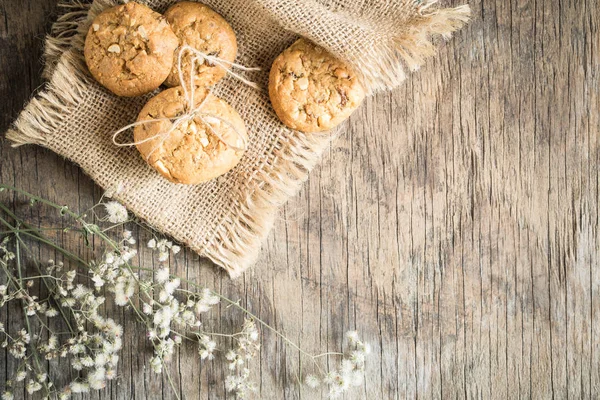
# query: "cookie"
{"type": "Point", "coordinates": [129, 49]}
{"type": "Point", "coordinates": [311, 90]}
{"type": "Point", "coordinates": [193, 153]}
{"type": "Point", "coordinates": [200, 27]}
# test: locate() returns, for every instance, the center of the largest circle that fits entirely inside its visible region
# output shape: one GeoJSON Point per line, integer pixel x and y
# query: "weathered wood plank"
{"type": "Point", "coordinates": [454, 223]}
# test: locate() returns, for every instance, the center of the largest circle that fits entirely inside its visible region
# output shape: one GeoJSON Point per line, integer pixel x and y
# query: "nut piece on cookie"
{"type": "Point", "coordinates": [200, 27]}
{"type": "Point", "coordinates": [311, 90]}
{"type": "Point", "coordinates": [194, 152]}
{"type": "Point", "coordinates": [129, 49]}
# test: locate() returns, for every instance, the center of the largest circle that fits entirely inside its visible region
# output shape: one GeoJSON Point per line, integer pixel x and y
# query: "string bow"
{"type": "Point", "coordinates": [191, 110]}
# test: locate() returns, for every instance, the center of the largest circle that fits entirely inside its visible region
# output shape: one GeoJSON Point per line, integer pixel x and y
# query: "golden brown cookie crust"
{"type": "Point", "coordinates": [202, 28]}
{"type": "Point", "coordinates": [192, 153]}
{"type": "Point", "coordinates": [129, 49]}
{"type": "Point", "coordinates": [312, 91]}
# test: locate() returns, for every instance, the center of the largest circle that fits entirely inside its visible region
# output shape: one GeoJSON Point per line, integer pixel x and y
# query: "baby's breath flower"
{"type": "Point", "coordinates": [312, 381]}
{"type": "Point", "coordinates": [98, 281]}
{"type": "Point", "coordinates": [156, 364]}
{"type": "Point", "coordinates": [351, 369]}
{"type": "Point", "coordinates": [77, 348]}
{"type": "Point", "coordinates": [147, 309]}
{"type": "Point", "coordinates": [162, 275]}
{"type": "Point", "coordinates": [8, 395]}
{"type": "Point", "coordinates": [111, 374]}
{"type": "Point", "coordinates": [51, 312]}
{"type": "Point", "coordinates": [231, 383]}
{"type": "Point", "coordinates": [68, 302]}
{"type": "Point", "coordinates": [25, 336]}
{"type": "Point", "coordinates": [117, 213]}
{"type": "Point", "coordinates": [120, 297]}
{"type": "Point", "coordinates": [109, 258]}
{"type": "Point", "coordinates": [163, 296]}
{"type": "Point", "coordinates": [87, 361]}
{"type": "Point", "coordinates": [33, 386]}
{"type": "Point", "coordinates": [65, 394]}
{"type": "Point", "coordinates": [20, 376]}
{"type": "Point", "coordinates": [172, 285]}
{"type": "Point", "coordinates": [97, 379]}
{"type": "Point", "coordinates": [175, 249]}
{"type": "Point", "coordinates": [112, 328]}
{"type": "Point", "coordinates": [239, 380]}
{"type": "Point", "coordinates": [76, 364]}
{"type": "Point", "coordinates": [52, 342]}
{"type": "Point", "coordinates": [352, 336]}
{"type": "Point", "coordinates": [152, 244]}
{"type": "Point", "coordinates": [80, 291]}
{"type": "Point", "coordinates": [101, 360]}
{"type": "Point", "coordinates": [128, 254]}
{"type": "Point", "coordinates": [80, 387]}
{"type": "Point", "coordinates": [209, 297]}
{"type": "Point", "coordinates": [365, 348]}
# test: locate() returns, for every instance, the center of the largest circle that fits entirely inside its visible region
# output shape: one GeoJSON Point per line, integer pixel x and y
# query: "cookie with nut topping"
{"type": "Point", "coordinates": [311, 90]}
{"type": "Point", "coordinates": [203, 29]}
{"type": "Point", "coordinates": [201, 147]}
{"type": "Point", "coordinates": [129, 49]}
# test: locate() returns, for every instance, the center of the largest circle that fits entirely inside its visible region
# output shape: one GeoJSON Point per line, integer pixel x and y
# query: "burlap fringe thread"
{"type": "Point", "coordinates": [237, 246]}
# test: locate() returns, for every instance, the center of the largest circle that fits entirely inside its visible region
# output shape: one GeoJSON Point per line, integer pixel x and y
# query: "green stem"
{"type": "Point", "coordinates": [38, 236]}
{"type": "Point", "coordinates": [20, 240]}
{"type": "Point", "coordinates": [33, 230]}
{"type": "Point", "coordinates": [33, 349]}
{"type": "Point", "coordinates": [63, 209]}
{"type": "Point", "coordinates": [170, 380]}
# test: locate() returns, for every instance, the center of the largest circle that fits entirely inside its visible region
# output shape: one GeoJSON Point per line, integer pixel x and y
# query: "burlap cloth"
{"type": "Point", "coordinates": [226, 219]}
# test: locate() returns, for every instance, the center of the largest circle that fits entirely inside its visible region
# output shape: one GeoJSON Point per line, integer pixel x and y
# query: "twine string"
{"type": "Point", "coordinates": [192, 111]}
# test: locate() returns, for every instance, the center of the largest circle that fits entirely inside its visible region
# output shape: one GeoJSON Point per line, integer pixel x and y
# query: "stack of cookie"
{"type": "Point", "coordinates": [132, 50]}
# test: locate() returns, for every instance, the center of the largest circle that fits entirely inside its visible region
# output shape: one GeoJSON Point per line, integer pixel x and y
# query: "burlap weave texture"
{"type": "Point", "coordinates": [226, 219]}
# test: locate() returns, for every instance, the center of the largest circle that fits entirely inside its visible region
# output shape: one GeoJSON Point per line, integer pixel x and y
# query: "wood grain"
{"type": "Point", "coordinates": [454, 224]}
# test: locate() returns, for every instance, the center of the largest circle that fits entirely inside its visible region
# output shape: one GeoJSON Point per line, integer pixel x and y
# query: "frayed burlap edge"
{"type": "Point", "coordinates": [415, 45]}
{"type": "Point", "coordinates": [46, 112]}
{"type": "Point", "coordinates": [411, 47]}
{"type": "Point", "coordinates": [72, 13]}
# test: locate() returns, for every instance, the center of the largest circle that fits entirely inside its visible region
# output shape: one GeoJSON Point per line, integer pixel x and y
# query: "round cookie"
{"type": "Point", "coordinates": [312, 91]}
{"type": "Point", "coordinates": [129, 49]}
{"type": "Point", "coordinates": [200, 27]}
{"type": "Point", "coordinates": [192, 153]}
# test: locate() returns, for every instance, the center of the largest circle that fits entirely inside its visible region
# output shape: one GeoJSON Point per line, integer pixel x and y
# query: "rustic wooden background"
{"type": "Point", "coordinates": [454, 224]}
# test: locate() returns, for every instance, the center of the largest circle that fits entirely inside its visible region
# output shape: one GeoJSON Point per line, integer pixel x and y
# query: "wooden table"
{"type": "Point", "coordinates": [454, 224]}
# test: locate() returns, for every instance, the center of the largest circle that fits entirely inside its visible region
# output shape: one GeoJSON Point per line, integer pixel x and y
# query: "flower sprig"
{"type": "Point", "coordinates": [170, 308]}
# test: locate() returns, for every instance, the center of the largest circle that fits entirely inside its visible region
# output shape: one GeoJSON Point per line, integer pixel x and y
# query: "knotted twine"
{"type": "Point", "coordinates": [193, 111]}
{"type": "Point", "coordinates": [228, 218]}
